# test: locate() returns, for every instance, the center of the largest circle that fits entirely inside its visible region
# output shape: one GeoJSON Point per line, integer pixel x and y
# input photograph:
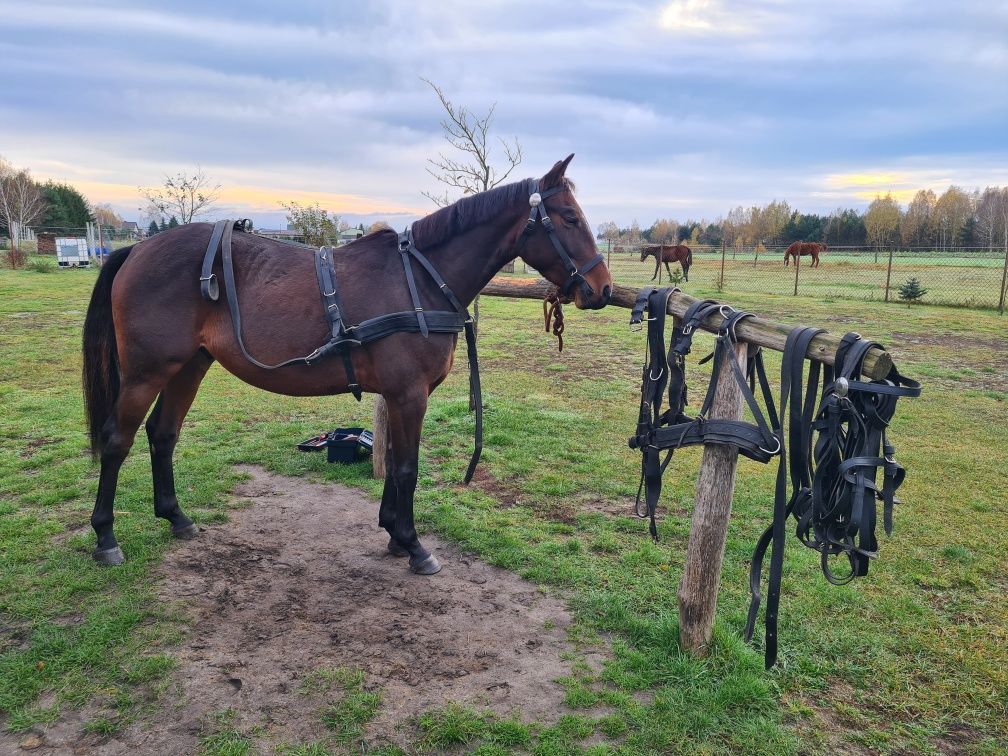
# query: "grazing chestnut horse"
{"type": "Point", "coordinates": [666, 253]}
{"type": "Point", "coordinates": [150, 337]}
{"type": "Point", "coordinates": [805, 248]}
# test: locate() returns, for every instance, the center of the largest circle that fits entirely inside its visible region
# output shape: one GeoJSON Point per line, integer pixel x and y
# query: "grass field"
{"type": "Point", "coordinates": [912, 659]}
{"type": "Point", "coordinates": [965, 281]}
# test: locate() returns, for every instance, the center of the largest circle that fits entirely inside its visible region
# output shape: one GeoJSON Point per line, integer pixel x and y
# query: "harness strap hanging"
{"type": "Point", "coordinates": [405, 246]}
{"type": "Point", "coordinates": [325, 271]}
{"type": "Point", "coordinates": [208, 281]}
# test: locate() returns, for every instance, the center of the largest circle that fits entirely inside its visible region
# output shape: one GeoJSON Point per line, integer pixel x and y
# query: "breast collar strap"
{"type": "Point", "coordinates": [538, 215]}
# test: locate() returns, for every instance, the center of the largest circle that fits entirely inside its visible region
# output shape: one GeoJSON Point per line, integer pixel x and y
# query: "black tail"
{"type": "Point", "coordinates": [101, 360]}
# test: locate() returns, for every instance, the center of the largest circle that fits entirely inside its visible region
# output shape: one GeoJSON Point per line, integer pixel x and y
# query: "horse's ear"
{"type": "Point", "coordinates": [556, 173]}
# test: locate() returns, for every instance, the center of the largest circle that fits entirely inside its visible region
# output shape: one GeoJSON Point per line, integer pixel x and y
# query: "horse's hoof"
{"type": "Point", "coordinates": [428, 566]}
{"type": "Point", "coordinates": [187, 533]}
{"type": "Point", "coordinates": [395, 549]}
{"type": "Point", "coordinates": [109, 557]}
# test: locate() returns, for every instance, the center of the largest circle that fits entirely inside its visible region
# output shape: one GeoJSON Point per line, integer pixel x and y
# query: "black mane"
{"type": "Point", "coordinates": [469, 211]}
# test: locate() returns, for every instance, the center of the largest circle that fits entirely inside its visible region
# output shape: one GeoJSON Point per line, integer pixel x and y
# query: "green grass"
{"type": "Point", "coordinates": [913, 658]}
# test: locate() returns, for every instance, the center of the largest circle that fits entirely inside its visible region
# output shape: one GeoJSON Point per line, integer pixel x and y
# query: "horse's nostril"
{"type": "Point", "coordinates": [607, 293]}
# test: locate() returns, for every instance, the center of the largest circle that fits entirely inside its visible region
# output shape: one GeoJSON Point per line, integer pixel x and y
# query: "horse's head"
{"type": "Point", "coordinates": [645, 252]}
{"type": "Point", "coordinates": [823, 246]}
{"type": "Point", "coordinates": [557, 240]}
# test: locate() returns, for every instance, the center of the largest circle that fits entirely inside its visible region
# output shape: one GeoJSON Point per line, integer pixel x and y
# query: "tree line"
{"type": "Point", "coordinates": [956, 218]}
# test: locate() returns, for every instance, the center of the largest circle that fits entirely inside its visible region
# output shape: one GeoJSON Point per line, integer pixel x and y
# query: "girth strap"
{"type": "Point", "coordinates": [325, 271]}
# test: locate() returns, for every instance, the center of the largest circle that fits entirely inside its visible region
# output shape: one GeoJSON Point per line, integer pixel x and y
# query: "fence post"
{"type": "Point", "coordinates": [608, 253]}
{"type": "Point", "coordinates": [379, 437]}
{"type": "Point", "coordinates": [797, 264]}
{"type": "Point", "coordinates": [721, 280]}
{"type": "Point", "coordinates": [1004, 278]}
{"type": "Point", "coordinates": [715, 487]}
{"type": "Point", "coordinates": [888, 275]}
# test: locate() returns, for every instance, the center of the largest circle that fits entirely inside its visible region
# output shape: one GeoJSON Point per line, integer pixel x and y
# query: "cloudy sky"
{"type": "Point", "coordinates": [680, 108]}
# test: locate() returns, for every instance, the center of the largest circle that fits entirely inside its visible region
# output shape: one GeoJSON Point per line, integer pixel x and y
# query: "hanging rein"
{"type": "Point", "coordinates": [836, 451]}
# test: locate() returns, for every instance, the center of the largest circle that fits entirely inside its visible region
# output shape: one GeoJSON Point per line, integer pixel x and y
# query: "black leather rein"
{"type": "Point", "coordinates": [833, 493]}
{"type": "Point", "coordinates": [537, 216]}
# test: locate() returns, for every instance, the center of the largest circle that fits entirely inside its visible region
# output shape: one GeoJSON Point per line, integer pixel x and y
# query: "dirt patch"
{"type": "Point", "coordinates": [301, 580]}
{"type": "Point", "coordinates": [35, 444]}
{"type": "Point", "coordinates": [504, 493]}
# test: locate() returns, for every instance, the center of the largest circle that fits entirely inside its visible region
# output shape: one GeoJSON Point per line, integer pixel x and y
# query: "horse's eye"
{"type": "Point", "coordinates": [571, 220]}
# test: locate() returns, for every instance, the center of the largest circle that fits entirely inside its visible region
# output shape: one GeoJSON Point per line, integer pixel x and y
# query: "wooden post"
{"type": "Point", "coordinates": [380, 432]}
{"type": "Point", "coordinates": [888, 275]}
{"type": "Point", "coordinates": [715, 487]}
{"type": "Point", "coordinates": [755, 330]}
{"type": "Point", "coordinates": [721, 279]}
{"type": "Point", "coordinates": [1004, 277]}
{"type": "Point", "coordinates": [797, 263]}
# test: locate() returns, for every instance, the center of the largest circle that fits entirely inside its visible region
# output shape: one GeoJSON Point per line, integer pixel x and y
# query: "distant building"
{"type": "Point", "coordinates": [287, 234]}
{"type": "Point", "coordinates": [130, 230]}
{"type": "Point", "coordinates": [351, 234]}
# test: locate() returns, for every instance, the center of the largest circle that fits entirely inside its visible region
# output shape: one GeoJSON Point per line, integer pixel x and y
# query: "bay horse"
{"type": "Point", "coordinates": [813, 249]}
{"type": "Point", "coordinates": [150, 337]}
{"type": "Point", "coordinates": [667, 253]}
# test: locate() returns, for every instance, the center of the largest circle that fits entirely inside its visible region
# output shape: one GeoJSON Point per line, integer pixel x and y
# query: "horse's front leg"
{"type": "Point", "coordinates": [405, 422]}
{"type": "Point", "coordinates": [657, 264]}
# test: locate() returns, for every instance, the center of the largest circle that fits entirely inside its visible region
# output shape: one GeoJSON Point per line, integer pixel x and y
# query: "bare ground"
{"type": "Point", "coordinates": [301, 580]}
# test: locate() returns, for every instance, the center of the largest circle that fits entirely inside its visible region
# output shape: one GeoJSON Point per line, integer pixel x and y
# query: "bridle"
{"type": "Point", "coordinates": [576, 275]}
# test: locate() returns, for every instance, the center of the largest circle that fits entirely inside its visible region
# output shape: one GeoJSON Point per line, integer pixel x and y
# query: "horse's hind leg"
{"type": "Point", "coordinates": [163, 427]}
{"type": "Point", "coordinates": [117, 438]}
{"type": "Point", "coordinates": [387, 511]}
{"type": "Point", "coordinates": [405, 420]}
{"type": "Point", "coordinates": [669, 271]}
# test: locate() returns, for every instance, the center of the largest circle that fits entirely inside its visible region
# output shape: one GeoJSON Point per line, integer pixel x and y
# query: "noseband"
{"type": "Point", "coordinates": [576, 275]}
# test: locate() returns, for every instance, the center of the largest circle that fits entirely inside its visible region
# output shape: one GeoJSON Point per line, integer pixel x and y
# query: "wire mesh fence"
{"type": "Point", "coordinates": [963, 277]}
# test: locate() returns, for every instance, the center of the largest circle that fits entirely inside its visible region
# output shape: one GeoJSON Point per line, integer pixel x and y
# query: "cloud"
{"type": "Point", "coordinates": [673, 108]}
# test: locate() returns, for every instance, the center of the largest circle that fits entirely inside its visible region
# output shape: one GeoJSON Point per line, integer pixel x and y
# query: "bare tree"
{"type": "Point", "coordinates": [474, 170]}
{"type": "Point", "coordinates": [186, 196]}
{"type": "Point", "coordinates": [21, 204]}
{"type": "Point", "coordinates": [988, 215]}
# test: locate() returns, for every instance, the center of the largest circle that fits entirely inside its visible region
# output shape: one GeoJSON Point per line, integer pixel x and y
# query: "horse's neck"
{"type": "Point", "coordinates": [469, 260]}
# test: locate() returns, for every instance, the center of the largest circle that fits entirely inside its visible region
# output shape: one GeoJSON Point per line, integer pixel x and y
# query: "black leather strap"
{"type": "Point", "coordinates": [209, 287]}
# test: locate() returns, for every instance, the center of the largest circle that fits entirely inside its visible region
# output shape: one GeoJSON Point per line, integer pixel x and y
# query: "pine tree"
{"type": "Point", "coordinates": [173, 222]}
{"type": "Point", "coordinates": [911, 290]}
{"type": "Point", "coordinates": [162, 226]}
{"type": "Point", "coordinates": [152, 228]}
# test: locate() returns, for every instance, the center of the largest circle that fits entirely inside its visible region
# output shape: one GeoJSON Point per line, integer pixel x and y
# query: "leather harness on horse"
{"type": "Point", "coordinates": [833, 483]}
{"type": "Point", "coordinates": [345, 337]}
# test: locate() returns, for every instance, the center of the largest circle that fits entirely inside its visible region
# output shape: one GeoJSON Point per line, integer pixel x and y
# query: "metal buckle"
{"type": "Point", "coordinates": [207, 278]}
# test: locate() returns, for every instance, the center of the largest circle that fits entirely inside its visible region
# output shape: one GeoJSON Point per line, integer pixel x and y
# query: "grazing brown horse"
{"type": "Point", "coordinates": [814, 249]}
{"type": "Point", "coordinates": [667, 253]}
{"type": "Point", "coordinates": [149, 336]}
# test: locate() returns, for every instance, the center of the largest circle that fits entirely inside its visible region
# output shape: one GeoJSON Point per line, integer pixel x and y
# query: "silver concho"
{"type": "Point", "coordinates": [535, 199]}
{"type": "Point", "coordinates": [841, 387]}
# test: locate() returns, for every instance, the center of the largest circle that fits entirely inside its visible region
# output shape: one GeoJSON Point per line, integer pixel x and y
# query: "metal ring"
{"type": "Point", "coordinates": [775, 451]}
{"type": "Point", "coordinates": [655, 377]}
